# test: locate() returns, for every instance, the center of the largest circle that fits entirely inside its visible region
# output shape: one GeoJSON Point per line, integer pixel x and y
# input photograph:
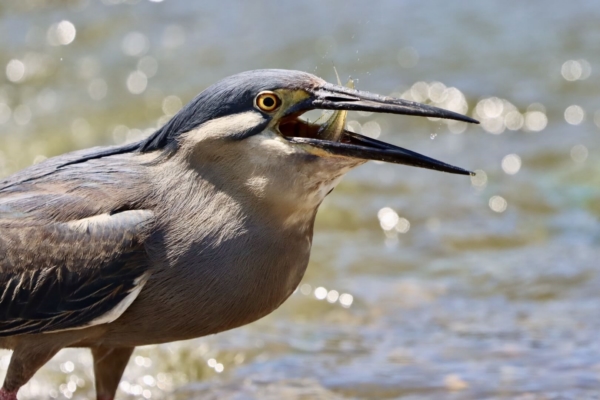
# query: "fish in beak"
{"type": "Point", "coordinates": [334, 139]}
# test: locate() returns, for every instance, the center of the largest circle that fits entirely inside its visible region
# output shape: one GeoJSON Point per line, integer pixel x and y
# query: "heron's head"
{"type": "Point", "coordinates": [250, 123]}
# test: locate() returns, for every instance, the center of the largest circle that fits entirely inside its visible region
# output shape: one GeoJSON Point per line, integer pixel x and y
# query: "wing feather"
{"type": "Point", "coordinates": [72, 233]}
{"type": "Point", "coordinates": [67, 275]}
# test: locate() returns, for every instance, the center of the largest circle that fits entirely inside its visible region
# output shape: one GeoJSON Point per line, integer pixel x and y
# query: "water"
{"type": "Point", "coordinates": [482, 288]}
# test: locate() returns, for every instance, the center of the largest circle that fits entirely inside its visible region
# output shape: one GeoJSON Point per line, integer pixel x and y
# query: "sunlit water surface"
{"type": "Point", "coordinates": [421, 285]}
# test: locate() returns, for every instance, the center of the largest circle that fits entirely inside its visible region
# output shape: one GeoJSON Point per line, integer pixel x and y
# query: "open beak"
{"type": "Point", "coordinates": [333, 139]}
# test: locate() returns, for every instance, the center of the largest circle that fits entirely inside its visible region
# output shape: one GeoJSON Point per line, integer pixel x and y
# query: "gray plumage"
{"type": "Point", "coordinates": [203, 227]}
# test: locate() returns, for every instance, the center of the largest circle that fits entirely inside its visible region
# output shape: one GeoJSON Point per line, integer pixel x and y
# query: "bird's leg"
{"type": "Point", "coordinates": [24, 362]}
{"type": "Point", "coordinates": [5, 395]}
{"type": "Point", "coordinates": [109, 364]}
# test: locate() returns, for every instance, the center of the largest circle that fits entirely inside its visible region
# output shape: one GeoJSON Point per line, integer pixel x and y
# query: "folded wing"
{"type": "Point", "coordinates": [58, 275]}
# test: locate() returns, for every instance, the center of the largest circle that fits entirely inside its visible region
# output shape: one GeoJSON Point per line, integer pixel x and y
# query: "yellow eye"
{"type": "Point", "coordinates": [267, 101]}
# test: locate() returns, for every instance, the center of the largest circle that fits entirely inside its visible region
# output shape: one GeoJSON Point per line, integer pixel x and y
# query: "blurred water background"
{"type": "Point", "coordinates": [421, 285]}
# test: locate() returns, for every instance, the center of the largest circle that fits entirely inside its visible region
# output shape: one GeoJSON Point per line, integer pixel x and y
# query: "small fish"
{"type": "Point", "coordinates": [333, 128]}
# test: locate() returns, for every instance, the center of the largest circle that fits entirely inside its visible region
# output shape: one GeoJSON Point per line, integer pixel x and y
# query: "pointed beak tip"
{"type": "Point", "coordinates": [459, 171]}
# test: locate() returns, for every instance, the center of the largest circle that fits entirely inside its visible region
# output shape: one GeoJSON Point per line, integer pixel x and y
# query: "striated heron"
{"type": "Point", "coordinates": [204, 226]}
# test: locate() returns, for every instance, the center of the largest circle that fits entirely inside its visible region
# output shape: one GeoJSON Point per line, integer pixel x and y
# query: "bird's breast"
{"type": "Point", "coordinates": [226, 268]}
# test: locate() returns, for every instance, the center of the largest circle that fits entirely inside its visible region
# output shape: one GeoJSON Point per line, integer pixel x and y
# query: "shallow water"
{"type": "Point", "coordinates": [431, 285]}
